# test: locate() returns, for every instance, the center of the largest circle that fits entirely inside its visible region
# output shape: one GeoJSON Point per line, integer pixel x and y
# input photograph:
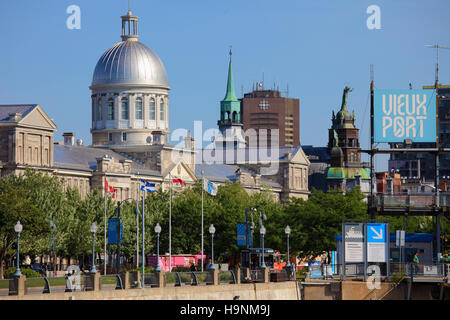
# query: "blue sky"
{"type": "Point", "coordinates": [313, 47]}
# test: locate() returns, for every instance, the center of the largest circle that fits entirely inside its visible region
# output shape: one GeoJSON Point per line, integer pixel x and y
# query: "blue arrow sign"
{"type": "Point", "coordinates": [376, 232]}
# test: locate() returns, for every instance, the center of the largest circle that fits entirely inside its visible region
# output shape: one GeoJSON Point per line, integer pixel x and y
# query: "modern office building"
{"type": "Point", "coordinates": [275, 119]}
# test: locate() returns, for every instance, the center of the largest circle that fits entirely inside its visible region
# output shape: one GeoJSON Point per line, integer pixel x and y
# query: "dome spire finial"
{"type": "Point", "coordinates": [129, 26]}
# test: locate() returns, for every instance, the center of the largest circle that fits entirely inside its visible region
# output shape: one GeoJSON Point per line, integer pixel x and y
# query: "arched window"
{"type": "Point", "coordinates": [139, 113]}
{"type": "Point", "coordinates": [161, 110]}
{"type": "Point", "coordinates": [152, 109]}
{"type": "Point", "coordinates": [124, 110]}
{"type": "Point", "coordinates": [99, 109]}
{"type": "Point", "coordinates": [110, 115]}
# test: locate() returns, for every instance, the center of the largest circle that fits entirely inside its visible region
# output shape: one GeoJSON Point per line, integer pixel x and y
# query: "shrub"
{"type": "Point", "coordinates": [146, 269]}
{"type": "Point", "coordinates": [28, 272]}
{"type": "Point", "coordinates": [180, 269]}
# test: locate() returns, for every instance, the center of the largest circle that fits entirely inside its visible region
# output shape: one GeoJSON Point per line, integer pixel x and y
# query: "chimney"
{"type": "Point", "coordinates": [15, 116]}
{"type": "Point", "coordinates": [69, 138]}
{"type": "Point", "coordinates": [189, 141]}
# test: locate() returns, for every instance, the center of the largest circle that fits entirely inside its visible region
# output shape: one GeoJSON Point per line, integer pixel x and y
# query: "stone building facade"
{"type": "Point", "coordinates": [130, 128]}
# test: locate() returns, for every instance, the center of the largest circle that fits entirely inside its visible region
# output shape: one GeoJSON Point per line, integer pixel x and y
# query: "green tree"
{"type": "Point", "coordinates": [16, 205]}
{"type": "Point", "coordinates": [316, 222]}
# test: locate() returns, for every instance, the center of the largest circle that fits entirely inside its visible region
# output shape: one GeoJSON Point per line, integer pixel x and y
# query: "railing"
{"type": "Point", "coordinates": [90, 282]}
{"type": "Point", "coordinates": [257, 275]}
{"type": "Point", "coordinates": [188, 278]}
{"type": "Point", "coordinates": [4, 287]}
{"type": "Point", "coordinates": [227, 277]}
{"type": "Point", "coordinates": [413, 200]}
{"type": "Point", "coordinates": [435, 270]}
{"type": "Point", "coordinates": [108, 282]}
{"type": "Point", "coordinates": [150, 280]}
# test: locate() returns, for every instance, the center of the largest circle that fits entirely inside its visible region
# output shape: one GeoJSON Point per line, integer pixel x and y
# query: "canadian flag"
{"type": "Point", "coordinates": [110, 189]}
{"type": "Point", "coordinates": [179, 182]}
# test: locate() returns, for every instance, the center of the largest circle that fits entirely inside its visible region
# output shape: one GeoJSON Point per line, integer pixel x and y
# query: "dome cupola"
{"type": "Point", "coordinates": [129, 62]}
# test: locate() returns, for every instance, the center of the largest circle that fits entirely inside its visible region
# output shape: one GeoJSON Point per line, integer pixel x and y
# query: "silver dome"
{"type": "Point", "coordinates": [130, 63]}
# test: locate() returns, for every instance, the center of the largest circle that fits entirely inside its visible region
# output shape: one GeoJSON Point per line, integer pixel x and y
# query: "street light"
{"type": "Point", "coordinates": [212, 230]}
{"type": "Point", "coordinates": [93, 230]}
{"type": "Point", "coordinates": [262, 231]}
{"type": "Point", "coordinates": [18, 229]}
{"type": "Point", "coordinates": [158, 231]}
{"type": "Point", "coordinates": [287, 230]}
{"type": "Point", "coordinates": [53, 226]}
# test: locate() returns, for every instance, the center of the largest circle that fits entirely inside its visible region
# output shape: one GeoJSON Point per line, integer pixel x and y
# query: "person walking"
{"type": "Point", "coordinates": [416, 262]}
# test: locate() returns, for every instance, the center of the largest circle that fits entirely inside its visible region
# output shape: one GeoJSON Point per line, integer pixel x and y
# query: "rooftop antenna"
{"type": "Point", "coordinates": [371, 73]}
{"type": "Point", "coordinates": [129, 5]}
{"type": "Point", "coordinates": [437, 47]}
{"type": "Point", "coordinates": [263, 81]}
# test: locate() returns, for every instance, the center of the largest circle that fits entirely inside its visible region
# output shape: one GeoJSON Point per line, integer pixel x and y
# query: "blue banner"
{"type": "Point", "coordinates": [405, 114]}
{"type": "Point", "coordinates": [241, 235]}
{"type": "Point", "coordinates": [112, 231]}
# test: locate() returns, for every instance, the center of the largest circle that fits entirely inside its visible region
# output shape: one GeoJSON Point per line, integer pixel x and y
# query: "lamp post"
{"type": "Point", "coordinates": [158, 231]}
{"type": "Point", "coordinates": [287, 230]}
{"type": "Point", "coordinates": [262, 231]}
{"type": "Point", "coordinates": [18, 229]}
{"type": "Point", "coordinates": [212, 230]}
{"type": "Point", "coordinates": [53, 226]}
{"type": "Point", "coordinates": [93, 230]}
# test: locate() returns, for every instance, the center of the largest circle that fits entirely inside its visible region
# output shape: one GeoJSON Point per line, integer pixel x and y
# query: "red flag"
{"type": "Point", "coordinates": [110, 189]}
{"type": "Point", "coordinates": [181, 182]}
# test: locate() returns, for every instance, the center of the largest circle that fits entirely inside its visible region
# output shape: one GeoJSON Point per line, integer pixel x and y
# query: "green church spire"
{"type": "Point", "coordinates": [230, 95]}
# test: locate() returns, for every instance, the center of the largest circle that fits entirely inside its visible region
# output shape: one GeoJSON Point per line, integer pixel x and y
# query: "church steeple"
{"type": "Point", "coordinates": [230, 95]}
{"type": "Point", "coordinates": [230, 106]}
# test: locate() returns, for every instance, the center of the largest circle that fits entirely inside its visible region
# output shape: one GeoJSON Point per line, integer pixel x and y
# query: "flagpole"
{"type": "Point", "coordinates": [137, 222]}
{"type": "Point", "coordinates": [202, 218]}
{"type": "Point", "coordinates": [143, 239]}
{"type": "Point", "coordinates": [170, 224]}
{"type": "Point", "coordinates": [104, 252]}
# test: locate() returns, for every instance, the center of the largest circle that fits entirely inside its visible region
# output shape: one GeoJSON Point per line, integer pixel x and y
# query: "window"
{"type": "Point", "coordinates": [110, 137]}
{"type": "Point", "coordinates": [161, 110]}
{"type": "Point", "coordinates": [99, 109]}
{"type": "Point", "coordinates": [124, 109]}
{"type": "Point", "coordinates": [138, 109]}
{"type": "Point", "coordinates": [110, 109]}
{"type": "Point", "coordinates": [152, 110]}
{"type": "Point", "coordinates": [124, 136]}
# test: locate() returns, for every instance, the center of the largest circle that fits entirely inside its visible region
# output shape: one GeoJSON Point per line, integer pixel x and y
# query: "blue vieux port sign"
{"type": "Point", "coordinates": [405, 114]}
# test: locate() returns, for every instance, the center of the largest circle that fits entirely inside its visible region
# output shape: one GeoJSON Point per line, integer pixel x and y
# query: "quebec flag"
{"type": "Point", "coordinates": [147, 186]}
{"type": "Point", "coordinates": [210, 187]}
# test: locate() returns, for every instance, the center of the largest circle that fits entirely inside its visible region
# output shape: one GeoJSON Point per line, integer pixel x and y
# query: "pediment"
{"type": "Point", "coordinates": [300, 157]}
{"type": "Point", "coordinates": [37, 118]}
{"type": "Point", "coordinates": [182, 171]}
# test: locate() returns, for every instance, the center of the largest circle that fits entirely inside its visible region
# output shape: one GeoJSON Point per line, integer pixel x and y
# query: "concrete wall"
{"type": "Point", "coordinates": [358, 290]}
{"type": "Point", "coordinates": [255, 291]}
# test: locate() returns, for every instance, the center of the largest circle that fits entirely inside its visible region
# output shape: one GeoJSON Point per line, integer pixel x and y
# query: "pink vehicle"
{"type": "Point", "coordinates": [178, 260]}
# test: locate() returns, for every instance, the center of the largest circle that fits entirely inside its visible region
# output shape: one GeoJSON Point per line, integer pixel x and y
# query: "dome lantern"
{"type": "Point", "coordinates": [129, 27]}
